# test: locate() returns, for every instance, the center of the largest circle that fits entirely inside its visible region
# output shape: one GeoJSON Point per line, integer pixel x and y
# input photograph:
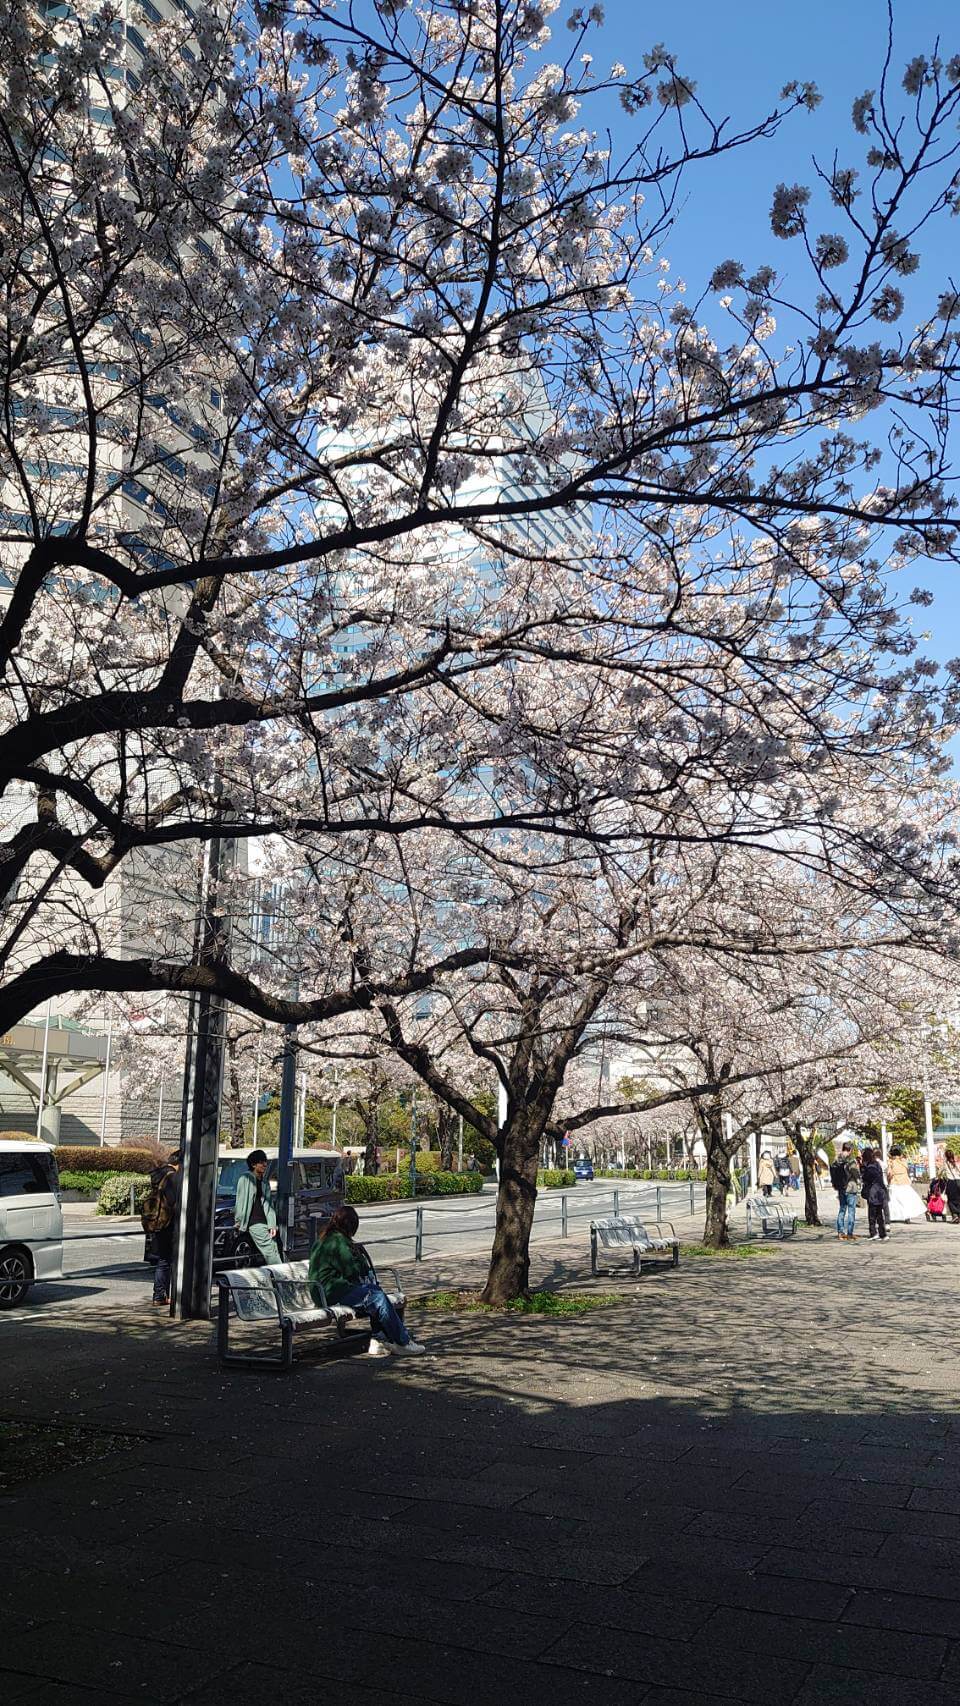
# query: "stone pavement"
{"type": "Point", "coordinates": [740, 1484]}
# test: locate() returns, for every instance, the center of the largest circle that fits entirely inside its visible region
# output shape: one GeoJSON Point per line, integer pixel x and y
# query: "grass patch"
{"type": "Point", "coordinates": [729, 1253]}
{"type": "Point", "coordinates": [538, 1303]}
{"type": "Point", "coordinates": [31, 1449]}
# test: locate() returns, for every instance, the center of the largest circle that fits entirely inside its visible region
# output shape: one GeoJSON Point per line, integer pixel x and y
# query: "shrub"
{"type": "Point", "coordinates": [81, 1181]}
{"type": "Point", "coordinates": [114, 1195]}
{"type": "Point", "coordinates": [21, 1137]}
{"type": "Point", "coordinates": [552, 1178]}
{"type": "Point", "coordinates": [73, 1158]}
{"type": "Point", "coordinates": [394, 1187]}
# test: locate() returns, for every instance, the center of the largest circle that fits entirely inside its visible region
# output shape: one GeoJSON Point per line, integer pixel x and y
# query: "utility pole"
{"type": "Point", "coordinates": [288, 1100]}
{"type": "Point", "coordinates": [200, 1119]}
{"type": "Point", "coordinates": [413, 1143]}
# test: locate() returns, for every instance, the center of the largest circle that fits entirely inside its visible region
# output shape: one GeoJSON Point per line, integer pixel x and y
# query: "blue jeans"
{"type": "Point", "coordinates": [161, 1280]}
{"type": "Point", "coordinates": [367, 1295]}
{"type": "Point", "coordinates": [847, 1218]}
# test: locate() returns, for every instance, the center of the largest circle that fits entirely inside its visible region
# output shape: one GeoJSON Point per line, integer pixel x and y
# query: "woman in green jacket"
{"type": "Point", "coordinates": [340, 1273]}
{"type": "Point", "coordinates": [253, 1211]}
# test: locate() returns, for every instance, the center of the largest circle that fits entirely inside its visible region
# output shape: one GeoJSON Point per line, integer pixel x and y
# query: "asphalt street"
{"type": "Point", "coordinates": [104, 1260]}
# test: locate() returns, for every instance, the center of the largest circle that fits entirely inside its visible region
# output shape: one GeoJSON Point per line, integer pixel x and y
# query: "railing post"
{"type": "Point", "coordinates": [659, 1215]}
{"type": "Point", "coordinates": [616, 1202]}
{"type": "Point", "coordinates": [693, 1206]}
{"type": "Point", "coordinates": [418, 1244]}
{"type": "Point", "coordinates": [563, 1214]}
{"type": "Point", "coordinates": [133, 1199]}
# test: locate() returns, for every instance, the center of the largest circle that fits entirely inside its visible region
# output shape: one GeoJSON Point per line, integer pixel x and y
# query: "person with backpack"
{"type": "Point", "coordinates": [875, 1190]}
{"type": "Point", "coordinates": [253, 1210]}
{"type": "Point", "coordinates": [158, 1218]}
{"type": "Point", "coordinates": [845, 1176]}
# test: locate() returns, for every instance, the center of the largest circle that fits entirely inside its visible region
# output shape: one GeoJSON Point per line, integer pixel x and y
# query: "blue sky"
{"type": "Point", "coordinates": [740, 54]}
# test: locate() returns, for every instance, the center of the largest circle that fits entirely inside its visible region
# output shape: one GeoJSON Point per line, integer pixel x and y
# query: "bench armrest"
{"type": "Point", "coordinates": [660, 1224]}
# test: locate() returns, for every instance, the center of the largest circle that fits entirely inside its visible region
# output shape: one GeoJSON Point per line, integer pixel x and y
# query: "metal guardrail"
{"type": "Point", "coordinates": [546, 1225]}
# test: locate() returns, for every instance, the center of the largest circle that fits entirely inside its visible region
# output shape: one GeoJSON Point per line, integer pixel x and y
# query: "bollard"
{"type": "Point", "coordinates": [658, 1203]}
{"type": "Point", "coordinates": [616, 1202]}
{"type": "Point", "coordinates": [693, 1206]}
{"type": "Point", "coordinates": [563, 1215]}
{"type": "Point", "coordinates": [418, 1243]}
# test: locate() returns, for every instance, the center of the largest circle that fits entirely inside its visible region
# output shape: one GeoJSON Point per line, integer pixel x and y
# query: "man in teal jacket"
{"type": "Point", "coordinates": [254, 1212]}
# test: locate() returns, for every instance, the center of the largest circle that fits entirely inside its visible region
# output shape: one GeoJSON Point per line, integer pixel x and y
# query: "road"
{"type": "Point", "coordinates": [101, 1264]}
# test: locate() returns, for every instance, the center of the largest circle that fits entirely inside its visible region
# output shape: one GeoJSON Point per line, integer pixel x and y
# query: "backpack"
{"type": "Point", "coordinates": [157, 1212]}
{"type": "Point", "coordinates": [838, 1176]}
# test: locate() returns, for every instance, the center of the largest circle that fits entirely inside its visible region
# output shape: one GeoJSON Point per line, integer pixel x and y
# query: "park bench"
{"type": "Point", "coordinates": [774, 1223]}
{"type": "Point", "coordinates": [279, 1294]}
{"type": "Point", "coordinates": [627, 1232]}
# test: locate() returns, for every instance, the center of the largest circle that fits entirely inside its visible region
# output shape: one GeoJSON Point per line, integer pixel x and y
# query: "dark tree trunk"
{"type": "Point", "coordinates": [715, 1230]}
{"type": "Point", "coordinates": [509, 1274]}
{"type": "Point", "coordinates": [805, 1150]}
{"type": "Point", "coordinates": [446, 1135]}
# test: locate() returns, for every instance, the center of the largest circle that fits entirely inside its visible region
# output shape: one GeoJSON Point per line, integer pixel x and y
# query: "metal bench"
{"type": "Point", "coordinates": [279, 1293]}
{"type": "Point", "coordinates": [773, 1222]}
{"type": "Point", "coordinates": [627, 1232]}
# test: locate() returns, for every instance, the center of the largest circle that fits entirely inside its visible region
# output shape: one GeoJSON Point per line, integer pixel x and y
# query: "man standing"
{"type": "Point", "coordinates": [254, 1212]}
{"type": "Point", "coordinates": [158, 1219]}
{"type": "Point", "coordinates": [848, 1183]}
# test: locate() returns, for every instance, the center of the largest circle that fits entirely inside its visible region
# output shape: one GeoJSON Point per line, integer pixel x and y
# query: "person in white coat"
{"type": "Point", "coordinates": [905, 1204]}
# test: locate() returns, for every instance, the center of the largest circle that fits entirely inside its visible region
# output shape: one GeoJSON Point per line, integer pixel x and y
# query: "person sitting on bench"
{"type": "Point", "coordinates": [343, 1272]}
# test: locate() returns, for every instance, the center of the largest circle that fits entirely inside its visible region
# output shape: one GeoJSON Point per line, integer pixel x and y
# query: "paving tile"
{"type": "Point", "coordinates": [891, 1652]}
{"type": "Point", "coordinates": [43, 1693]}
{"type": "Point", "coordinates": [145, 1668]}
{"type": "Point", "coordinates": [265, 1685]}
{"type": "Point", "coordinates": [866, 1687]}
{"type": "Point", "coordinates": [671, 1664]}
{"type": "Point", "coordinates": [918, 1612]}
{"type": "Point", "coordinates": [750, 1590]}
{"type": "Point", "coordinates": [634, 1611]}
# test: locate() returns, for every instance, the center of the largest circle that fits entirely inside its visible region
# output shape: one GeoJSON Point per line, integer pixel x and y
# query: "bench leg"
{"type": "Point", "coordinates": [676, 1255]}
{"type": "Point", "coordinates": [593, 1253]}
{"type": "Point", "coordinates": [286, 1345]}
{"type": "Point", "coordinates": [636, 1258]}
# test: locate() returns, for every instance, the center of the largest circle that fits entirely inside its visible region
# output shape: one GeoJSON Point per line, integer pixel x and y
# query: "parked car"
{"type": "Point", "coordinates": [31, 1220]}
{"type": "Point", "coordinates": [583, 1169]}
{"type": "Point", "coordinates": [317, 1191]}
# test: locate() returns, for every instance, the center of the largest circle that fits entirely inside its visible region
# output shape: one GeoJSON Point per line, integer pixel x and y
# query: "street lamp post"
{"type": "Point", "coordinates": [413, 1143]}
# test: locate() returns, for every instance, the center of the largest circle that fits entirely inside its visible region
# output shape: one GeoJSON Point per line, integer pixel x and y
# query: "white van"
{"type": "Point", "coordinates": [31, 1220]}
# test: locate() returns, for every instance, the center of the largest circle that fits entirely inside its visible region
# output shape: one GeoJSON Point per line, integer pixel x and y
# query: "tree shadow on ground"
{"type": "Point", "coordinates": [752, 1459]}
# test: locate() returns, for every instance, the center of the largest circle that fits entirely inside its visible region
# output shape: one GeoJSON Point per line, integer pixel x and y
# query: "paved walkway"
{"type": "Point", "coordinates": [738, 1485]}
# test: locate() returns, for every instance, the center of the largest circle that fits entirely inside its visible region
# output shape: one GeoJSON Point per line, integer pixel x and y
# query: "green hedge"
{"type": "Point", "coordinates": [553, 1178]}
{"type": "Point", "coordinates": [671, 1176]}
{"type": "Point", "coordinates": [114, 1195]}
{"type": "Point", "coordinates": [81, 1181]}
{"type": "Point", "coordinates": [73, 1158]}
{"type": "Point", "coordinates": [392, 1187]}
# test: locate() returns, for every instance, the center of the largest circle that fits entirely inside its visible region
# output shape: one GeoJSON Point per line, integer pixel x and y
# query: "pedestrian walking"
{"type": "Point", "coordinates": [847, 1177]}
{"type": "Point", "coordinates": [906, 1204]}
{"type": "Point", "coordinates": [783, 1174]}
{"type": "Point", "coordinates": [874, 1187]}
{"type": "Point", "coordinates": [253, 1211]}
{"type": "Point", "coordinates": [951, 1184]}
{"type": "Point", "coordinates": [339, 1272]}
{"type": "Point", "coordinates": [766, 1174]}
{"type": "Point", "coordinates": [158, 1217]}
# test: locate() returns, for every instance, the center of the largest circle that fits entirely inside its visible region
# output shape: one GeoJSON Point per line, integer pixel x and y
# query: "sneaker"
{"type": "Point", "coordinates": [410, 1349]}
{"type": "Point", "coordinates": [378, 1347]}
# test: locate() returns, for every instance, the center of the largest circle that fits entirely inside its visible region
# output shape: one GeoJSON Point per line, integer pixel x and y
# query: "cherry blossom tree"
{"type": "Point", "coordinates": [364, 464]}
